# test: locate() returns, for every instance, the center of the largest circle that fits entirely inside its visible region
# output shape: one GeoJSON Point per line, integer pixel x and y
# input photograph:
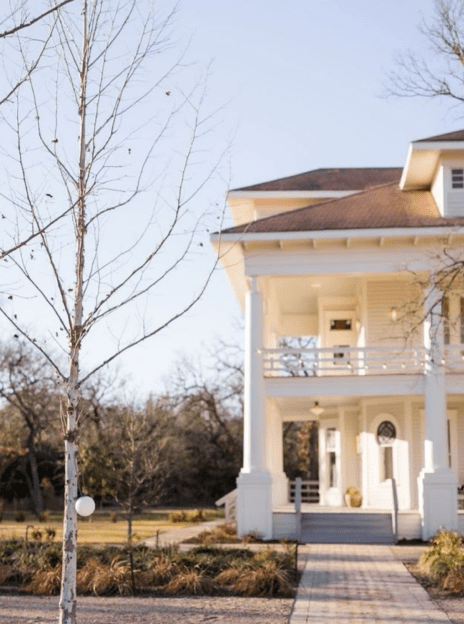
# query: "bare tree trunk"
{"type": "Point", "coordinates": [36, 492]}
{"type": "Point", "coordinates": [68, 582]}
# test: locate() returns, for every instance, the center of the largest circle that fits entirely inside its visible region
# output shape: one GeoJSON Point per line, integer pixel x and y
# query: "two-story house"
{"type": "Point", "coordinates": [343, 257]}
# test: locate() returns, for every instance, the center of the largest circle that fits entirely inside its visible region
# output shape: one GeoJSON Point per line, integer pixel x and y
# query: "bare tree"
{"type": "Point", "coordinates": [92, 142]}
{"type": "Point", "coordinates": [439, 70]}
{"type": "Point", "coordinates": [28, 385]}
{"type": "Point", "coordinates": [16, 18]}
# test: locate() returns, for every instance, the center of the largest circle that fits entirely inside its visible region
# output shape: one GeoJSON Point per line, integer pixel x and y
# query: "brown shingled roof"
{"type": "Point", "coordinates": [352, 179]}
{"type": "Point", "coordinates": [385, 206]}
{"type": "Point", "coordinates": [458, 135]}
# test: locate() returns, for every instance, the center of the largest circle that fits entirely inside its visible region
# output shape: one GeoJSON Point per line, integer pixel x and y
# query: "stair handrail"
{"type": "Point", "coordinates": [298, 506]}
{"type": "Point", "coordinates": [395, 509]}
{"type": "Point", "coordinates": [230, 503]}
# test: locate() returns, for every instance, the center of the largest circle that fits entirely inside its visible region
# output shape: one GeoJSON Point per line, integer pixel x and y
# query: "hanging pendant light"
{"type": "Point", "coordinates": [316, 410]}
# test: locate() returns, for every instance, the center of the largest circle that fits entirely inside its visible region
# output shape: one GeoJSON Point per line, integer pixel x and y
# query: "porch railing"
{"type": "Point", "coordinates": [309, 491]}
{"type": "Point", "coordinates": [461, 498]}
{"type": "Point", "coordinates": [230, 503]}
{"type": "Point", "coordinates": [311, 362]}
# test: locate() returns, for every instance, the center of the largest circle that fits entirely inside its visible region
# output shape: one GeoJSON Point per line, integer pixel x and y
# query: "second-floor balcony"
{"type": "Point", "coordinates": [339, 360]}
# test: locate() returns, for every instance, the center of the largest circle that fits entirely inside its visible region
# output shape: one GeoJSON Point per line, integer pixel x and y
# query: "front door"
{"type": "Point", "coordinates": [329, 463]}
{"type": "Point", "coordinates": [339, 331]}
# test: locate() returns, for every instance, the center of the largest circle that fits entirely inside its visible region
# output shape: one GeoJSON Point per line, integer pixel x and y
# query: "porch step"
{"type": "Point", "coordinates": [347, 528]}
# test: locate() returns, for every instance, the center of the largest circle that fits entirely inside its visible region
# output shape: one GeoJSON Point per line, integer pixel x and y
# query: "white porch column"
{"type": "Point", "coordinates": [437, 483]}
{"type": "Point", "coordinates": [254, 501]}
{"type": "Point", "coordinates": [275, 455]}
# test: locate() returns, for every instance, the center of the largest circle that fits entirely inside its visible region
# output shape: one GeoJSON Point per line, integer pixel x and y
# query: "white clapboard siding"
{"type": "Point", "coordinates": [382, 296]}
{"type": "Point", "coordinates": [455, 204]}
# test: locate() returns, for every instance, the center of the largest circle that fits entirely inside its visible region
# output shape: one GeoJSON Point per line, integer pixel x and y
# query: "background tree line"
{"type": "Point", "coordinates": [179, 448]}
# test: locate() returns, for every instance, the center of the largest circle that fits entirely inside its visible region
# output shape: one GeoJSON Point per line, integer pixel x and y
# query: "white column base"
{"type": "Point", "coordinates": [254, 504]}
{"type": "Point", "coordinates": [438, 503]}
{"type": "Point", "coordinates": [279, 489]}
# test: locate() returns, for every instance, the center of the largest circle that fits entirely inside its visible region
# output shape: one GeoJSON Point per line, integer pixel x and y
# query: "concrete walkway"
{"type": "Point", "coordinates": [347, 583]}
{"type": "Point", "coordinates": [176, 536]}
{"type": "Point", "coordinates": [360, 584]}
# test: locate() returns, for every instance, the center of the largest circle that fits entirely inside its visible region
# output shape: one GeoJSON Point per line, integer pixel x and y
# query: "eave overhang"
{"type": "Point", "coordinates": [366, 233]}
{"type": "Point", "coordinates": [289, 194]}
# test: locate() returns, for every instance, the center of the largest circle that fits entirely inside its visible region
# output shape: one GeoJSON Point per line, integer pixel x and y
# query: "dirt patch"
{"type": "Point", "coordinates": [149, 610]}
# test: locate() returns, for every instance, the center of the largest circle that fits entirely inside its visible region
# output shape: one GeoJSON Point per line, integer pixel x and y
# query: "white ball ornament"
{"type": "Point", "coordinates": [85, 506]}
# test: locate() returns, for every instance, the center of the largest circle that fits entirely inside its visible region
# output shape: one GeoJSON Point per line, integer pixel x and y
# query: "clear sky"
{"type": "Point", "coordinates": [301, 84]}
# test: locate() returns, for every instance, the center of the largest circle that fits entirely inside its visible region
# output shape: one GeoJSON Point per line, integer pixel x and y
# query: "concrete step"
{"type": "Point", "coordinates": [347, 528]}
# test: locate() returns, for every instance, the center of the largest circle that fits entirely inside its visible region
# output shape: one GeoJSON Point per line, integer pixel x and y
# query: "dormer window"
{"type": "Point", "coordinates": [457, 178]}
{"type": "Point", "coordinates": [451, 194]}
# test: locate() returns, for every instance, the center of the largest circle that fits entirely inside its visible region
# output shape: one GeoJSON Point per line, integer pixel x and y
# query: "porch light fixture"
{"type": "Point", "coordinates": [394, 314]}
{"type": "Point", "coordinates": [85, 506]}
{"type": "Point", "coordinates": [316, 410]}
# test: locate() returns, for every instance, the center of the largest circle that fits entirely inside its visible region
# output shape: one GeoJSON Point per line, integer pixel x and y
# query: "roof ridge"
{"type": "Point", "coordinates": [331, 200]}
{"type": "Point", "coordinates": [312, 171]}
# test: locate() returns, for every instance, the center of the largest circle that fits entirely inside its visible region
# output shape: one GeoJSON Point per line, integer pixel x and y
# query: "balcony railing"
{"type": "Point", "coordinates": [313, 362]}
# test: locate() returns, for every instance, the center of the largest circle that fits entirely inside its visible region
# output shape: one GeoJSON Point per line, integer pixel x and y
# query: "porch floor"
{"type": "Point", "coordinates": [316, 508]}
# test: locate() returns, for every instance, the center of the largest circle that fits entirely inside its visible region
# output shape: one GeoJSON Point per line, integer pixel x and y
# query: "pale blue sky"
{"type": "Point", "coordinates": [301, 82]}
{"type": "Point", "coordinates": [298, 86]}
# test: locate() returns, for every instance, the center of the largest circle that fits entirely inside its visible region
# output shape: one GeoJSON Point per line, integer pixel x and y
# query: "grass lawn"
{"type": "Point", "coordinates": [99, 528]}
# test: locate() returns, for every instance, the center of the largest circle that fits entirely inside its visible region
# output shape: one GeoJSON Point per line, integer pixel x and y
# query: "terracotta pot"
{"type": "Point", "coordinates": [353, 500]}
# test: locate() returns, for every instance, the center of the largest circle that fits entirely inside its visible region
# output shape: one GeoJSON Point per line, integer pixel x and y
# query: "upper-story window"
{"type": "Point", "coordinates": [457, 178]}
{"type": "Point", "coordinates": [453, 319]}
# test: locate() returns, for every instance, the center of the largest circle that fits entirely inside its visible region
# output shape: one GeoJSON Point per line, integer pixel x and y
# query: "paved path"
{"type": "Point", "coordinates": [359, 584]}
{"type": "Point", "coordinates": [176, 536]}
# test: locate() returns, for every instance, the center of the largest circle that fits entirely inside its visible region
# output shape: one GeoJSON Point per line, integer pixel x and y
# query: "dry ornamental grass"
{"type": "Point", "coordinates": [108, 572]}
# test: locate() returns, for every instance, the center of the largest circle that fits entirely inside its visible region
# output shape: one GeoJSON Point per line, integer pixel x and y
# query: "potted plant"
{"type": "Point", "coordinates": [353, 497]}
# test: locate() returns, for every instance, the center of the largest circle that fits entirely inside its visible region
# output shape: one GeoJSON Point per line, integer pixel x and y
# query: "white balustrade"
{"type": "Point", "coordinates": [310, 362]}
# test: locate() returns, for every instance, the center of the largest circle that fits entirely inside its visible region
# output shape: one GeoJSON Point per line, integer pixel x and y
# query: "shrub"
{"type": "Point", "coordinates": [268, 578]}
{"type": "Point", "coordinates": [177, 516]}
{"type": "Point", "coordinates": [443, 563]}
{"type": "Point", "coordinates": [188, 581]}
{"type": "Point", "coordinates": [43, 516]}
{"type": "Point", "coordinates": [197, 515]}
{"type": "Point", "coordinates": [20, 516]}
{"type": "Point", "coordinates": [46, 582]}
{"type": "Point", "coordinates": [104, 580]}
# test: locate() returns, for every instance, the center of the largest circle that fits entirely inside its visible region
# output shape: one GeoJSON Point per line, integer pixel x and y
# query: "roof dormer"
{"type": "Point", "coordinates": [437, 164]}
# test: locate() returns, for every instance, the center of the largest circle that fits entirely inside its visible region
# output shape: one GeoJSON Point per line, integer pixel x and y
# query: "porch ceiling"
{"type": "Point", "coordinates": [298, 408]}
{"type": "Point", "coordinates": [299, 294]}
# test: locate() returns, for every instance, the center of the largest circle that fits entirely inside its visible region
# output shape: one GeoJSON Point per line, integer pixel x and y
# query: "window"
{"type": "Point", "coordinates": [457, 178]}
{"type": "Point", "coordinates": [386, 436]}
{"type": "Point", "coordinates": [462, 319]}
{"type": "Point", "coordinates": [446, 321]}
{"type": "Point", "coordinates": [453, 319]}
{"type": "Point", "coordinates": [387, 461]}
{"type": "Point", "coordinates": [340, 324]}
{"type": "Point", "coordinates": [331, 446]}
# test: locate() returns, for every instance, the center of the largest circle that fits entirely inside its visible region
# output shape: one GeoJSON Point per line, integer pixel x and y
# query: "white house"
{"type": "Point", "coordinates": [344, 255]}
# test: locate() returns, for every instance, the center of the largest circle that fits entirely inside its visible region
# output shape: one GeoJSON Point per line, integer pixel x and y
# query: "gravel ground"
{"type": "Point", "coordinates": [188, 610]}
